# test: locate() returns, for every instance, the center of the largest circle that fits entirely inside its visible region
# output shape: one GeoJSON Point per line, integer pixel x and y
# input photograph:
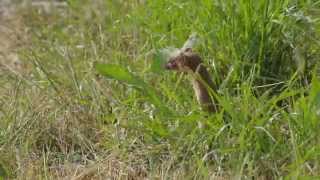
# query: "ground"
{"type": "Point", "coordinates": [83, 94]}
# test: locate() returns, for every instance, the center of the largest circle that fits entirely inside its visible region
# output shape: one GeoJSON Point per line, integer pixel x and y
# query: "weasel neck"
{"type": "Point", "coordinates": [201, 82]}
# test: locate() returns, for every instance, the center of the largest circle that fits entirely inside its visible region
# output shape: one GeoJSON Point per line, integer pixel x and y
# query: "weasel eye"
{"type": "Point", "coordinates": [188, 50]}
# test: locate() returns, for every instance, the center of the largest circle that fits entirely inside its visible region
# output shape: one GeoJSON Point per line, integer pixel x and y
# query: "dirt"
{"type": "Point", "coordinates": [12, 33]}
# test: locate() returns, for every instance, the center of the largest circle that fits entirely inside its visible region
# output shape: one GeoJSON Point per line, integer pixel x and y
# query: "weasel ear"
{"type": "Point", "coordinates": [188, 50]}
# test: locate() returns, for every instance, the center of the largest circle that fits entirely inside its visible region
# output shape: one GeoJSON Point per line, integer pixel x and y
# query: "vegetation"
{"type": "Point", "coordinates": [61, 118]}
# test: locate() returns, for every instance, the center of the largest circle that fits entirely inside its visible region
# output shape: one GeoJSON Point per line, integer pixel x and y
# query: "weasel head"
{"type": "Point", "coordinates": [184, 61]}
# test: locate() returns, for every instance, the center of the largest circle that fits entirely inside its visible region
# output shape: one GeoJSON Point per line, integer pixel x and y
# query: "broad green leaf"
{"type": "Point", "coordinates": [123, 75]}
{"type": "Point", "coordinates": [118, 73]}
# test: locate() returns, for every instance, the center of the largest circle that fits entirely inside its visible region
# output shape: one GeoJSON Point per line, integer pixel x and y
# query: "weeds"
{"type": "Point", "coordinates": [63, 119]}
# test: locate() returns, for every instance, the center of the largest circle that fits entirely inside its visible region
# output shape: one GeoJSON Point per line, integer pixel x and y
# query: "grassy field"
{"type": "Point", "coordinates": [61, 119]}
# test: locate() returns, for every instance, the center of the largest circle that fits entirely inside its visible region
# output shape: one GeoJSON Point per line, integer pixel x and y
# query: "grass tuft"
{"type": "Point", "coordinates": [61, 119]}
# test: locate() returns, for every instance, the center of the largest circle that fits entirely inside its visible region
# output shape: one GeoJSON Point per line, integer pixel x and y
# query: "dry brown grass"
{"type": "Point", "coordinates": [61, 120]}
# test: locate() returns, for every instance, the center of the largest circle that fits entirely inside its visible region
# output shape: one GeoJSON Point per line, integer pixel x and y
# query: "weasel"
{"type": "Point", "coordinates": [188, 61]}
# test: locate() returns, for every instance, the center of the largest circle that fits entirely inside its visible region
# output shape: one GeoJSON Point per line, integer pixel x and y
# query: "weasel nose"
{"type": "Point", "coordinates": [170, 66]}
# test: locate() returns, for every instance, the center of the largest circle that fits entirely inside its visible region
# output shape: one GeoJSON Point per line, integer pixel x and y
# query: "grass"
{"type": "Point", "coordinates": [62, 119]}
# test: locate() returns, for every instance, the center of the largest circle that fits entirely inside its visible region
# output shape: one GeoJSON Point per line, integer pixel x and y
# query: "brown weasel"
{"type": "Point", "coordinates": [190, 62]}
